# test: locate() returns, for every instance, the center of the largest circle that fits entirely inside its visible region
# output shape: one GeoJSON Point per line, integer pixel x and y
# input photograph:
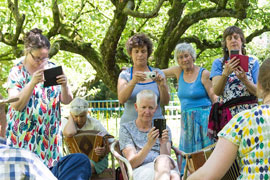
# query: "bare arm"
{"type": "Point", "coordinates": [163, 89]}
{"type": "Point", "coordinates": [70, 128]}
{"type": "Point", "coordinates": [66, 95]}
{"type": "Point", "coordinates": [208, 86]}
{"type": "Point", "coordinates": [241, 74]}
{"type": "Point", "coordinates": [137, 158]}
{"type": "Point", "coordinates": [225, 152]}
{"type": "Point", "coordinates": [219, 82]}
{"type": "Point", "coordinates": [165, 145]}
{"type": "Point", "coordinates": [172, 72]}
{"type": "Point", "coordinates": [3, 121]}
{"type": "Point", "coordinates": [124, 88]}
{"type": "Point", "coordinates": [25, 94]}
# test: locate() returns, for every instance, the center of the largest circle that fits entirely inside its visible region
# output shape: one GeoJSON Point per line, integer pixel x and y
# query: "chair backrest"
{"type": "Point", "coordinates": [124, 164]}
{"type": "Point", "coordinates": [196, 159]}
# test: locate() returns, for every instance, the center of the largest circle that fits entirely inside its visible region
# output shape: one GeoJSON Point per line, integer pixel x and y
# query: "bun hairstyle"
{"type": "Point", "coordinates": [35, 40]}
{"type": "Point", "coordinates": [264, 77]}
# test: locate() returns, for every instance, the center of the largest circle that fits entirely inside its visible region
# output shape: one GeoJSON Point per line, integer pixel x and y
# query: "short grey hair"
{"type": "Point", "coordinates": [148, 94]}
{"type": "Point", "coordinates": [78, 106]}
{"type": "Point", "coordinates": [184, 47]}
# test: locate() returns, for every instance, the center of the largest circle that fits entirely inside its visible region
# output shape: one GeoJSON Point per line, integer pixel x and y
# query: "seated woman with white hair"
{"type": "Point", "coordinates": [80, 120]}
{"type": "Point", "coordinates": [139, 141]}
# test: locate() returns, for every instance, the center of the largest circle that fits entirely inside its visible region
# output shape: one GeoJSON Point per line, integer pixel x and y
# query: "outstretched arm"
{"type": "Point", "coordinates": [172, 72]}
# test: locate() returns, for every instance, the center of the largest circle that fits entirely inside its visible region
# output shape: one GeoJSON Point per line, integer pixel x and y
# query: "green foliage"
{"type": "Point", "coordinates": [89, 22]}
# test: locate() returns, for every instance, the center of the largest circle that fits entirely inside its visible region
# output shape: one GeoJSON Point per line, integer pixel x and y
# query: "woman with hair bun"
{"type": "Point", "coordinates": [34, 120]}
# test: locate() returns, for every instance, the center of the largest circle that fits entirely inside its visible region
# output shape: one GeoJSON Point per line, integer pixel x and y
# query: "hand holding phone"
{"type": "Point", "coordinates": [51, 74]}
{"type": "Point", "coordinates": [160, 124]}
{"type": "Point", "coordinates": [243, 59]}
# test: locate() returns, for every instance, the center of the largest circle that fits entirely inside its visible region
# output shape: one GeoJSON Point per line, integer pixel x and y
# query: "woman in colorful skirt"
{"type": "Point", "coordinates": [196, 96]}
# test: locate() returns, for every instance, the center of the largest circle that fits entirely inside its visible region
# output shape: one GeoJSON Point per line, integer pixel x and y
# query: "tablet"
{"type": "Point", "coordinates": [51, 74]}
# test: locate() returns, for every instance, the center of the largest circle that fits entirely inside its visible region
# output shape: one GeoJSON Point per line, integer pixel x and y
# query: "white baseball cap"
{"type": "Point", "coordinates": [78, 105]}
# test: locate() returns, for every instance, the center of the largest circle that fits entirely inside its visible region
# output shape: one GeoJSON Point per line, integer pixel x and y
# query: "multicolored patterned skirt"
{"type": "Point", "coordinates": [194, 126]}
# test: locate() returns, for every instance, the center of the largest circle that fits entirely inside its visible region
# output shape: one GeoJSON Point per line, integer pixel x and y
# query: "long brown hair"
{"type": "Point", "coordinates": [227, 32]}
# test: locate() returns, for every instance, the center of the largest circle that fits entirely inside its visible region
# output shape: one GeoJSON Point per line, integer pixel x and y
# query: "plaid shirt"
{"type": "Point", "coordinates": [21, 164]}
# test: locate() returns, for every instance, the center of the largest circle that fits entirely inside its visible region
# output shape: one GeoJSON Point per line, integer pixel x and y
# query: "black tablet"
{"type": "Point", "coordinates": [51, 74]}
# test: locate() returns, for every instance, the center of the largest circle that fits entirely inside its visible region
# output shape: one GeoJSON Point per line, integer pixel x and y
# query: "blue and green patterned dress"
{"type": "Point", "coordinates": [37, 127]}
{"type": "Point", "coordinates": [195, 109]}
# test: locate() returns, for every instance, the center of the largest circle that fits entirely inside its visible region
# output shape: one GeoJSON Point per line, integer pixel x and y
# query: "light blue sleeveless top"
{"type": "Point", "coordinates": [130, 114]}
{"type": "Point", "coordinates": [192, 95]}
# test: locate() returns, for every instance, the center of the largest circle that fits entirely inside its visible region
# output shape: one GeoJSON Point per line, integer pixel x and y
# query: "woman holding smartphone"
{"type": "Point", "coordinates": [235, 87]}
{"type": "Point", "coordinates": [34, 120]}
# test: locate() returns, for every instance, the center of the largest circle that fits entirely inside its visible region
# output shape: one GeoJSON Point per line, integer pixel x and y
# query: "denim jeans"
{"type": "Point", "coordinates": [72, 167]}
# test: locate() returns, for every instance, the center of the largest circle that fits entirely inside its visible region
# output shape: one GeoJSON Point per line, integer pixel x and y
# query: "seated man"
{"type": "Point", "coordinates": [148, 155]}
{"type": "Point", "coordinates": [80, 120]}
{"type": "Point", "coordinates": [18, 163]}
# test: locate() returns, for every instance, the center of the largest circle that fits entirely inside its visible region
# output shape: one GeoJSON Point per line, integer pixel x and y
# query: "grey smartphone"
{"type": "Point", "coordinates": [160, 124]}
{"type": "Point", "coordinates": [234, 51]}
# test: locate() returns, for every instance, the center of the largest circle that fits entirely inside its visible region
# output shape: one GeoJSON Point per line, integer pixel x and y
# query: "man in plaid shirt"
{"type": "Point", "coordinates": [22, 164]}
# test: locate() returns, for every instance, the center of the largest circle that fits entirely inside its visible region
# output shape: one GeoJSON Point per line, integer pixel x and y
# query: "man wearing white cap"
{"type": "Point", "coordinates": [80, 120]}
{"type": "Point", "coordinates": [16, 163]}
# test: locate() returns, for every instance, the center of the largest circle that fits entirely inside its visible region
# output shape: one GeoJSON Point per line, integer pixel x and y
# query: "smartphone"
{"type": "Point", "coordinates": [234, 51]}
{"type": "Point", "coordinates": [160, 124]}
{"type": "Point", "coordinates": [51, 74]}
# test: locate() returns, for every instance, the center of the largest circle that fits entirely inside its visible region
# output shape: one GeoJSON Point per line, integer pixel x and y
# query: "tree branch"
{"type": "Point", "coordinates": [56, 20]}
{"type": "Point", "coordinates": [80, 12]}
{"type": "Point", "coordinates": [257, 33]}
{"type": "Point", "coordinates": [19, 20]}
{"type": "Point", "coordinates": [91, 4]}
{"type": "Point", "coordinates": [153, 13]}
{"type": "Point", "coordinates": [84, 49]}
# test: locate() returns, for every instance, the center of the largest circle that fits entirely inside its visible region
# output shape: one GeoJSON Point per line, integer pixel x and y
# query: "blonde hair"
{"type": "Point", "coordinates": [264, 76]}
{"type": "Point", "coordinates": [148, 94]}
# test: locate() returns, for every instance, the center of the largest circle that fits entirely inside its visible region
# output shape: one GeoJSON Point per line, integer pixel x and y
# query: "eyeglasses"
{"type": "Point", "coordinates": [38, 59]}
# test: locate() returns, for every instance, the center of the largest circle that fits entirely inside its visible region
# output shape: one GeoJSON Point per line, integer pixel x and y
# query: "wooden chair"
{"type": "Point", "coordinates": [196, 159]}
{"type": "Point", "coordinates": [124, 164]}
{"type": "Point", "coordinates": [107, 174]}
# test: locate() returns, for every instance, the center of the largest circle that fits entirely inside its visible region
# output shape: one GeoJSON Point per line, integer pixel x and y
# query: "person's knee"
{"type": "Point", "coordinates": [163, 162]}
{"type": "Point", "coordinates": [82, 159]}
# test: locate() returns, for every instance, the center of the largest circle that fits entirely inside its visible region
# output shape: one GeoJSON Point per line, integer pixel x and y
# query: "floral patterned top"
{"type": "Point", "coordinates": [37, 126]}
{"type": "Point", "coordinates": [249, 130]}
{"type": "Point", "coordinates": [234, 87]}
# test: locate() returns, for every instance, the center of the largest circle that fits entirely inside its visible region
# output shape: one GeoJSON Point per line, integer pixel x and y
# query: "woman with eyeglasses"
{"type": "Point", "coordinates": [34, 121]}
